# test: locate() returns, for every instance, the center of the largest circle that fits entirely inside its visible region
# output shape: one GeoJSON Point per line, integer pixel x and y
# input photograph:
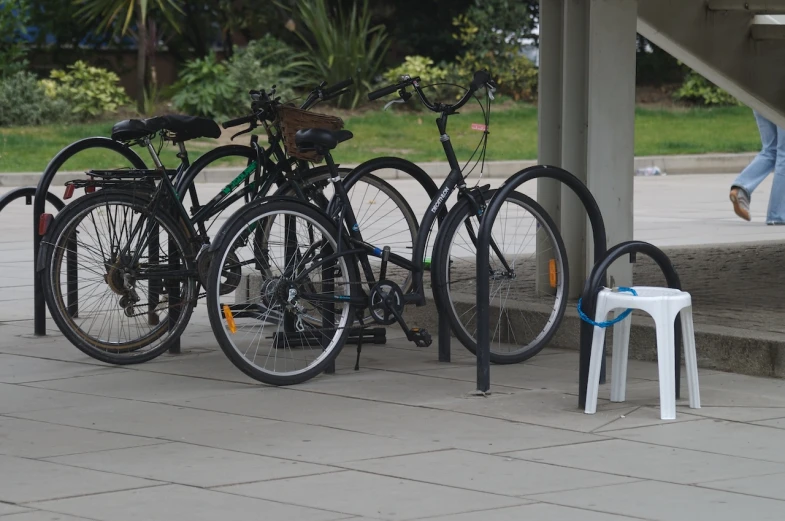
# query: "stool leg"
{"type": "Point", "coordinates": [621, 344]}
{"type": "Point", "coordinates": [690, 357]}
{"type": "Point", "coordinates": [593, 387]}
{"type": "Point", "coordinates": [666, 346]}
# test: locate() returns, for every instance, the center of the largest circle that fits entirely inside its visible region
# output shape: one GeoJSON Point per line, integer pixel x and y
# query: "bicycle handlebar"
{"type": "Point", "coordinates": [329, 91]}
{"type": "Point", "coordinates": [239, 121]}
{"type": "Point", "coordinates": [480, 78]}
{"type": "Point", "coordinates": [260, 98]}
{"type": "Point", "coordinates": [390, 89]}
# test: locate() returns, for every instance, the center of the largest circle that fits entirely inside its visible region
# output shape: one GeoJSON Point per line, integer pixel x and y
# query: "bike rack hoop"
{"type": "Point", "coordinates": [595, 282]}
{"type": "Point", "coordinates": [483, 249]}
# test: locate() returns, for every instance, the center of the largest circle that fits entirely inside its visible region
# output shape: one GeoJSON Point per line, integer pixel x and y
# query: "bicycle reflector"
{"type": "Point", "coordinates": [69, 192]}
{"type": "Point", "coordinates": [43, 223]}
{"type": "Point", "coordinates": [229, 319]}
{"type": "Point", "coordinates": [552, 272]}
{"type": "Point", "coordinates": [89, 189]}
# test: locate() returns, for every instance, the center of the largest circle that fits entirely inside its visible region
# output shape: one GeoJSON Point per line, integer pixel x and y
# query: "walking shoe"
{"type": "Point", "coordinates": [741, 202]}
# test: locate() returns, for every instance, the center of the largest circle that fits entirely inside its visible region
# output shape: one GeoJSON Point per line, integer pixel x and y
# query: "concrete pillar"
{"type": "Point", "coordinates": [550, 88]}
{"type": "Point", "coordinates": [574, 135]}
{"type": "Point", "coordinates": [611, 121]}
{"type": "Point", "coordinates": [549, 148]}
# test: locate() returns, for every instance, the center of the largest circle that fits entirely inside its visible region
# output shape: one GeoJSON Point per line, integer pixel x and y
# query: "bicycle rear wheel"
{"type": "Point", "coordinates": [291, 314]}
{"type": "Point", "coordinates": [115, 307]}
{"type": "Point", "coordinates": [528, 277]}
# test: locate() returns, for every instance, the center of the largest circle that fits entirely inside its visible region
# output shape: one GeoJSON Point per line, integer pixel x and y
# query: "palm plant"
{"type": "Point", "coordinates": [340, 44]}
{"type": "Point", "coordinates": [118, 15]}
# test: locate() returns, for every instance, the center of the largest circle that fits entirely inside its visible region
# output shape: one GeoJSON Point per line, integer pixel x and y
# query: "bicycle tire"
{"type": "Point", "coordinates": [226, 243]}
{"type": "Point", "coordinates": [446, 302]}
{"type": "Point", "coordinates": [119, 353]}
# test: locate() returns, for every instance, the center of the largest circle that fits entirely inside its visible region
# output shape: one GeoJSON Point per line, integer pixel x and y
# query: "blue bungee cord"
{"type": "Point", "coordinates": [607, 323]}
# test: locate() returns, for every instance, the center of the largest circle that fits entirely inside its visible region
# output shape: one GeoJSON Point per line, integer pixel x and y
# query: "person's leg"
{"type": "Point", "coordinates": [760, 167]}
{"type": "Point", "coordinates": [776, 213]}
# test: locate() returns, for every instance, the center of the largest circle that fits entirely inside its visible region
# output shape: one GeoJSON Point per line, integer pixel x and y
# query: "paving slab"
{"type": "Point", "coordinates": [739, 413]}
{"type": "Point", "coordinates": [359, 493]}
{"type": "Point", "coordinates": [26, 480]}
{"type": "Point", "coordinates": [141, 385]}
{"type": "Point", "coordinates": [645, 461]}
{"type": "Point", "coordinates": [486, 473]}
{"type": "Point", "coordinates": [199, 466]}
{"type": "Point", "coordinates": [35, 439]}
{"type": "Point", "coordinates": [446, 428]}
{"type": "Point", "coordinates": [400, 388]}
{"type": "Point", "coordinates": [535, 511]}
{"type": "Point", "coordinates": [41, 515]}
{"type": "Point", "coordinates": [168, 502]}
{"type": "Point", "coordinates": [26, 369]}
{"type": "Point", "coordinates": [161, 421]}
{"type": "Point", "coordinates": [20, 398]}
{"type": "Point", "coordinates": [659, 501]}
{"type": "Point", "coordinates": [545, 408]}
{"type": "Point", "coordinates": [8, 508]}
{"type": "Point", "coordinates": [717, 436]}
{"type": "Point", "coordinates": [770, 486]}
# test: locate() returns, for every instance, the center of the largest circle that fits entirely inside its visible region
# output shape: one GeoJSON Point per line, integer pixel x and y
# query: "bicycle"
{"type": "Point", "coordinates": [151, 269]}
{"type": "Point", "coordinates": [312, 263]}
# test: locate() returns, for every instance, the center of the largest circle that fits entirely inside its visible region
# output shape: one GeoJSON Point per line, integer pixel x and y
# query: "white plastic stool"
{"type": "Point", "coordinates": [663, 304]}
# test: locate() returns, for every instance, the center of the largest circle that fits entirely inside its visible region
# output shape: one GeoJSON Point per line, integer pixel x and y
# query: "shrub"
{"type": "Point", "coordinates": [23, 101]}
{"type": "Point", "coordinates": [205, 88]}
{"type": "Point", "coordinates": [429, 73]}
{"type": "Point", "coordinates": [699, 90]}
{"type": "Point", "coordinates": [340, 45]}
{"type": "Point", "coordinates": [260, 65]}
{"type": "Point", "coordinates": [516, 75]}
{"type": "Point", "coordinates": [498, 51]}
{"type": "Point", "coordinates": [88, 91]}
{"type": "Point", "coordinates": [14, 17]}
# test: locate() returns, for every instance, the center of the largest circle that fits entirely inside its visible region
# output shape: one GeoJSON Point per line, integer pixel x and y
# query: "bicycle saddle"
{"type": "Point", "coordinates": [183, 128]}
{"type": "Point", "coordinates": [308, 139]}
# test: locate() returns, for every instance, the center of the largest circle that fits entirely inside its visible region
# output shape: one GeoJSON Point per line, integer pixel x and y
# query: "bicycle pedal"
{"type": "Point", "coordinates": [420, 337]}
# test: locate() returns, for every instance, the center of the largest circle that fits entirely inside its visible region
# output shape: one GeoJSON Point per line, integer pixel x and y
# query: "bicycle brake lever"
{"type": "Point", "coordinates": [390, 103]}
{"type": "Point", "coordinates": [249, 129]}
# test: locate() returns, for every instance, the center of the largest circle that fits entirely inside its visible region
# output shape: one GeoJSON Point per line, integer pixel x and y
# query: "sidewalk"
{"type": "Point", "coordinates": [190, 438]}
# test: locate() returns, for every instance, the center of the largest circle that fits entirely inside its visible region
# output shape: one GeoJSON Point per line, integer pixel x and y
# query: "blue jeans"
{"type": "Point", "coordinates": [771, 157]}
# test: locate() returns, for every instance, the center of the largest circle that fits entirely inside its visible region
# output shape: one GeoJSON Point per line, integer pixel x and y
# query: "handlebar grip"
{"type": "Point", "coordinates": [386, 90]}
{"type": "Point", "coordinates": [238, 121]}
{"type": "Point", "coordinates": [480, 79]}
{"type": "Point", "coordinates": [335, 94]}
{"type": "Point", "coordinates": [338, 86]}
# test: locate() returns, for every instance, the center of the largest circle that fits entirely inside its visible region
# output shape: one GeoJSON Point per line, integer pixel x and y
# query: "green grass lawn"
{"type": "Point", "coordinates": [414, 136]}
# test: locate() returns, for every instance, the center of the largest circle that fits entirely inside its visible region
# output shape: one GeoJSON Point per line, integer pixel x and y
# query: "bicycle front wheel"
{"type": "Point", "coordinates": [289, 315]}
{"type": "Point", "coordinates": [116, 280]}
{"type": "Point", "coordinates": [528, 278]}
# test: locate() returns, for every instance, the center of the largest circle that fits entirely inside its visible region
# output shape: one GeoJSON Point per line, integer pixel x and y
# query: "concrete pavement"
{"type": "Point", "coordinates": [190, 437]}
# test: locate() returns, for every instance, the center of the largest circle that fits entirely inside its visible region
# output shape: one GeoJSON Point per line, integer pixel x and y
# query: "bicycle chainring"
{"type": "Point", "coordinates": [385, 296]}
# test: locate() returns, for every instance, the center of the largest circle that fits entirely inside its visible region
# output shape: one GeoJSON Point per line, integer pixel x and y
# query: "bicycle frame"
{"type": "Point", "coordinates": [416, 265]}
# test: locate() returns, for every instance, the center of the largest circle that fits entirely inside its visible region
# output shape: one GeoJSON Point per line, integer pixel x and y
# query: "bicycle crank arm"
{"type": "Point", "coordinates": [419, 336]}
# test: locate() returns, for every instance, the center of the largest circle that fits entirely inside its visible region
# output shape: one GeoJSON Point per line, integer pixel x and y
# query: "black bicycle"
{"type": "Point", "coordinates": [313, 272]}
{"type": "Point", "coordinates": [141, 254]}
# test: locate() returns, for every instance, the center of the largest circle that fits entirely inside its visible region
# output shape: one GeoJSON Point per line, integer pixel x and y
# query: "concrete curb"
{"type": "Point", "coordinates": [728, 349]}
{"type": "Point", "coordinates": [672, 165]}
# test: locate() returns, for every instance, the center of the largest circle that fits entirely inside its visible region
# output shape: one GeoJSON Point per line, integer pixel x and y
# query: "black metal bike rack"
{"type": "Point", "coordinates": [41, 196]}
{"type": "Point", "coordinates": [597, 279]}
{"type": "Point", "coordinates": [28, 193]}
{"type": "Point", "coordinates": [483, 250]}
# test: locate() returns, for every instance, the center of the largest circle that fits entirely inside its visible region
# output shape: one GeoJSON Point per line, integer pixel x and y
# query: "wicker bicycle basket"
{"type": "Point", "coordinates": [293, 119]}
